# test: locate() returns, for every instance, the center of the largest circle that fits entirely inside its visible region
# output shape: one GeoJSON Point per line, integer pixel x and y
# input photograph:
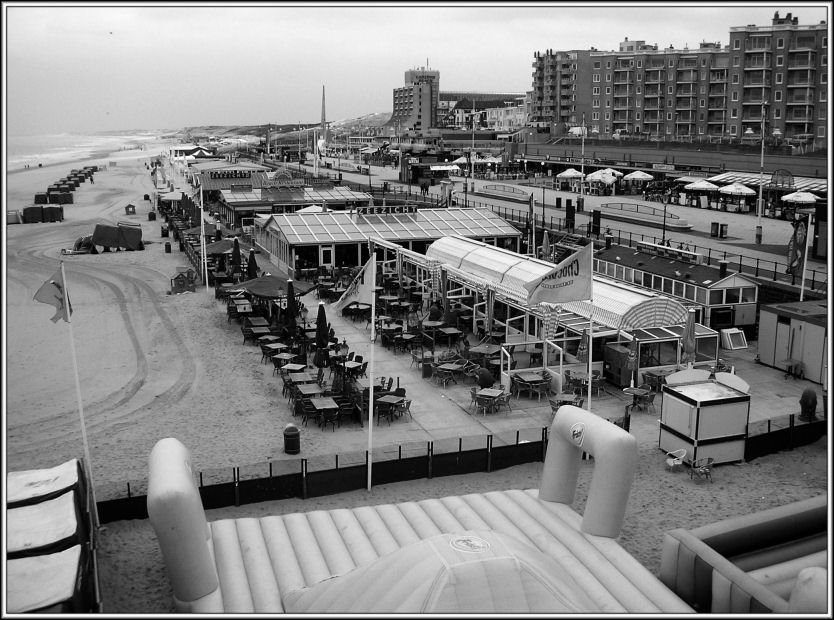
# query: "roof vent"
{"type": "Point", "coordinates": [639, 263]}
{"type": "Point", "coordinates": [687, 275]}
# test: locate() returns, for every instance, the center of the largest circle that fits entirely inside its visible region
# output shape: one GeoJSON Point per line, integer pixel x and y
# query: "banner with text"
{"type": "Point", "coordinates": [570, 280]}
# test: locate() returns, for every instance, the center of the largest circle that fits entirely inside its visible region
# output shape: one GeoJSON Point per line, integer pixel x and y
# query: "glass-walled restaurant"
{"type": "Point", "coordinates": [485, 286]}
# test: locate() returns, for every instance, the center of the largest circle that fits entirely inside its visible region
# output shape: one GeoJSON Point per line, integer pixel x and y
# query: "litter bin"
{"type": "Point", "coordinates": [151, 216]}
{"type": "Point", "coordinates": [426, 370]}
{"type": "Point", "coordinates": [167, 247]}
{"type": "Point", "coordinates": [713, 229]}
{"type": "Point", "coordinates": [163, 231]}
{"type": "Point", "coordinates": [723, 234]}
{"type": "Point", "coordinates": [292, 439]}
{"type": "Point", "coordinates": [580, 204]}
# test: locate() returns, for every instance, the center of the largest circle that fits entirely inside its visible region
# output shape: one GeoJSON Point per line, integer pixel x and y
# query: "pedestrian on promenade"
{"type": "Point", "coordinates": [808, 405]}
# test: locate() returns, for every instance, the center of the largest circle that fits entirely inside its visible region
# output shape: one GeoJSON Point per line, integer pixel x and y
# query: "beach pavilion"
{"type": "Point", "coordinates": [295, 241]}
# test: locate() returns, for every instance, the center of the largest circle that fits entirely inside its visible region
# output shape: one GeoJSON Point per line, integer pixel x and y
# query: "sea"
{"type": "Point", "coordinates": [69, 147]}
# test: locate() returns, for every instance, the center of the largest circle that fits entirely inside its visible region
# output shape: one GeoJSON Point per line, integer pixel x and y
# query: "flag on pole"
{"type": "Point", "coordinates": [360, 289]}
{"type": "Point", "coordinates": [570, 280]}
{"type": "Point", "coordinates": [52, 292]}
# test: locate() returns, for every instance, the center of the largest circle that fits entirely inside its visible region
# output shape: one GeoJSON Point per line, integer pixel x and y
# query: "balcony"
{"type": "Point", "coordinates": [799, 116]}
{"type": "Point", "coordinates": [756, 83]}
{"type": "Point", "coordinates": [622, 104]}
{"type": "Point", "coordinates": [717, 103]}
{"type": "Point", "coordinates": [801, 83]}
{"type": "Point", "coordinates": [685, 92]}
{"type": "Point", "coordinates": [717, 117]}
{"type": "Point", "coordinates": [687, 76]}
{"type": "Point", "coordinates": [803, 44]}
{"type": "Point", "coordinates": [800, 98]}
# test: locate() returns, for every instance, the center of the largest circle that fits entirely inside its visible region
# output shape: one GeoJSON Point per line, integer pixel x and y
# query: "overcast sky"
{"type": "Point", "coordinates": [136, 66]}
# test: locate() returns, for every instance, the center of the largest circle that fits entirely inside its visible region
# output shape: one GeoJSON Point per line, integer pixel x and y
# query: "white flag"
{"type": "Point", "coordinates": [570, 280]}
{"type": "Point", "coordinates": [361, 288]}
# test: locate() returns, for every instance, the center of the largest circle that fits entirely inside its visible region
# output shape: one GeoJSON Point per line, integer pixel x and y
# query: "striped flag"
{"type": "Point", "coordinates": [52, 292]}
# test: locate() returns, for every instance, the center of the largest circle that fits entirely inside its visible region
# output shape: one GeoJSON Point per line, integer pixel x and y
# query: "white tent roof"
{"type": "Point", "coordinates": [570, 173]}
{"type": "Point", "coordinates": [638, 175]}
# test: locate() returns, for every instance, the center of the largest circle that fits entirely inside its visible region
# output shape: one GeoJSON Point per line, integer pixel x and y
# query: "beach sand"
{"type": "Point", "coordinates": [153, 365]}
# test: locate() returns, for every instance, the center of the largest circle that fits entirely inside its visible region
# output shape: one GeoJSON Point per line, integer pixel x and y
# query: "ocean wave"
{"type": "Point", "coordinates": [59, 148]}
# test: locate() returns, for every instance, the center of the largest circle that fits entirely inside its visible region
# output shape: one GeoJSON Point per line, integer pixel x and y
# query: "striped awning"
{"type": "Point", "coordinates": [800, 184]}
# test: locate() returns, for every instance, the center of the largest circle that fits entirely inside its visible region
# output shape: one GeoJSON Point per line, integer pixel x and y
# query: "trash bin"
{"type": "Point", "coordinates": [426, 370]}
{"type": "Point", "coordinates": [580, 204]}
{"type": "Point", "coordinates": [167, 247]}
{"type": "Point", "coordinates": [151, 216]}
{"type": "Point", "coordinates": [713, 229]}
{"type": "Point", "coordinates": [292, 439]}
{"type": "Point", "coordinates": [163, 231]}
{"type": "Point", "coordinates": [723, 234]}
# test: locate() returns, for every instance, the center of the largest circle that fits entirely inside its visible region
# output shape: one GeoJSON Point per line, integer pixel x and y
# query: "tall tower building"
{"type": "Point", "coordinates": [416, 103]}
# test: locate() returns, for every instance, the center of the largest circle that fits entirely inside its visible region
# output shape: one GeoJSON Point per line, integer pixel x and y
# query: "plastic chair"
{"type": "Point", "coordinates": [647, 401]}
{"type": "Point", "coordinates": [503, 401]}
{"type": "Point", "coordinates": [404, 409]}
{"type": "Point", "coordinates": [674, 459]}
{"type": "Point", "coordinates": [702, 468]}
{"type": "Point", "coordinates": [483, 403]}
{"type": "Point", "coordinates": [330, 416]}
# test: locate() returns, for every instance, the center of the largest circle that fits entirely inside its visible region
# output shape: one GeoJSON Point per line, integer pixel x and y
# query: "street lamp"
{"type": "Point", "coordinates": [759, 203]}
{"type": "Point", "coordinates": [665, 204]}
{"type": "Point", "coordinates": [582, 180]}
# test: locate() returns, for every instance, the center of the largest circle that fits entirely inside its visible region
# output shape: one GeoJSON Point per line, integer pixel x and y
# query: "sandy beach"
{"type": "Point", "coordinates": [153, 365]}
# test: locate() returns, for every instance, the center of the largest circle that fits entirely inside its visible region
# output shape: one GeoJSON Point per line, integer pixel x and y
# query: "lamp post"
{"type": "Point", "coordinates": [759, 202]}
{"type": "Point", "coordinates": [665, 205]}
{"type": "Point", "coordinates": [582, 180]}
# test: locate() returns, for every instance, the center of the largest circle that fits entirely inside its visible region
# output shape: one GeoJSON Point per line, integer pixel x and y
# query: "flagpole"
{"type": "Point", "coordinates": [87, 458]}
{"type": "Point", "coordinates": [591, 336]}
{"type": "Point", "coordinates": [203, 238]}
{"type": "Point", "coordinates": [372, 276]}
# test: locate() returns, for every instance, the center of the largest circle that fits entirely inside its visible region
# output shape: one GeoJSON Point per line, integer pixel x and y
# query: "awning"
{"type": "Point", "coordinates": [445, 167]}
{"type": "Point", "coordinates": [800, 184]}
{"type": "Point", "coordinates": [171, 196]}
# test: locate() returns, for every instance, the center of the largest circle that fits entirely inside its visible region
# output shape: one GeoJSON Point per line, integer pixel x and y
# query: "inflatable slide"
{"type": "Point", "coordinates": [516, 551]}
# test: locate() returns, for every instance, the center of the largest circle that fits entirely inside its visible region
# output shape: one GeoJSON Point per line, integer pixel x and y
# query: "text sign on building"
{"type": "Point", "coordinates": [274, 183]}
{"type": "Point", "coordinates": [663, 167]}
{"type": "Point", "coordinates": [386, 210]}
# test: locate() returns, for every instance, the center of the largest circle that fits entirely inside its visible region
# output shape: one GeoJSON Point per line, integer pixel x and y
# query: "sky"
{"type": "Point", "coordinates": [75, 68]}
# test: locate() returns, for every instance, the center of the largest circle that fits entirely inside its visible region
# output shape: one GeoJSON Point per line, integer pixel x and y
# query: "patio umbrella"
{"type": "Point", "coordinates": [251, 265]}
{"type": "Point", "coordinates": [801, 198]}
{"type": "Point", "coordinates": [236, 257]}
{"type": "Point", "coordinates": [612, 172]}
{"type": "Point", "coordinates": [545, 245]}
{"type": "Point", "coordinates": [688, 339]}
{"type": "Point", "coordinates": [221, 263]}
{"type": "Point", "coordinates": [225, 245]}
{"type": "Point", "coordinates": [638, 175]}
{"type": "Point", "coordinates": [737, 189]}
{"type": "Point", "coordinates": [322, 338]}
{"type": "Point", "coordinates": [631, 360]}
{"type": "Point", "coordinates": [291, 311]}
{"type": "Point", "coordinates": [602, 176]}
{"type": "Point", "coordinates": [267, 286]}
{"type": "Point", "coordinates": [570, 173]}
{"type": "Point", "coordinates": [582, 352]}
{"type": "Point", "coordinates": [702, 185]}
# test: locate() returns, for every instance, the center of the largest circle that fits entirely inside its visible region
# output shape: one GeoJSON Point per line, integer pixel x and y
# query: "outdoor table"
{"type": "Point", "coordinates": [485, 349]}
{"type": "Point", "coordinates": [291, 367]}
{"type": "Point", "coordinates": [309, 389]}
{"type": "Point", "coordinates": [451, 366]}
{"type": "Point", "coordinates": [388, 401]}
{"type": "Point", "coordinates": [636, 393]}
{"type": "Point", "coordinates": [326, 283]}
{"type": "Point", "coordinates": [489, 392]}
{"type": "Point", "coordinates": [285, 355]}
{"type": "Point", "coordinates": [451, 332]}
{"type": "Point", "coordinates": [565, 398]}
{"type": "Point", "coordinates": [258, 321]}
{"type": "Point", "coordinates": [351, 365]}
{"type": "Point", "coordinates": [497, 335]}
{"type": "Point", "coordinates": [277, 347]}
{"type": "Point", "coordinates": [433, 325]}
{"type": "Point", "coordinates": [269, 339]}
{"type": "Point", "coordinates": [324, 402]}
{"type": "Point", "coordinates": [529, 377]}
{"type": "Point", "coordinates": [659, 375]}
{"type": "Point", "coordinates": [240, 301]}
{"type": "Point", "coordinates": [260, 331]}
{"type": "Point", "coordinates": [301, 377]}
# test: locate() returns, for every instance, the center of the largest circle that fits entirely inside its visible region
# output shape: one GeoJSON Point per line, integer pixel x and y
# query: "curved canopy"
{"type": "Point", "coordinates": [703, 184]}
{"type": "Point", "coordinates": [570, 173]}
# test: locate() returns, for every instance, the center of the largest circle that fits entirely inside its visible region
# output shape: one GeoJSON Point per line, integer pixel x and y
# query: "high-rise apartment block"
{"type": "Point", "coordinates": [779, 71]}
{"type": "Point", "coordinates": [416, 103]}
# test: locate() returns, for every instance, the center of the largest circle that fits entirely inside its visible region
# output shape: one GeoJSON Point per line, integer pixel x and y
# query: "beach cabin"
{"type": "Point", "coordinates": [793, 336]}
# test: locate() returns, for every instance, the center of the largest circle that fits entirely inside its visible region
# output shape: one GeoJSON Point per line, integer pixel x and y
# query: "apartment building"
{"type": "Point", "coordinates": [777, 73]}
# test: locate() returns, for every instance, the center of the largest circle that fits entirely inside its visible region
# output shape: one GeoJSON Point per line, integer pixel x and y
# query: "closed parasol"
{"type": "Point", "coordinates": [688, 339]}
{"type": "Point", "coordinates": [582, 351]}
{"type": "Point", "coordinates": [237, 259]}
{"type": "Point", "coordinates": [322, 337]}
{"type": "Point", "coordinates": [291, 311]}
{"type": "Point", "coordinates": [251, 265]}
{"type": "Point", "coordinates": [632, 360]}
{"type": "Point", "coordinates": [545, 245]}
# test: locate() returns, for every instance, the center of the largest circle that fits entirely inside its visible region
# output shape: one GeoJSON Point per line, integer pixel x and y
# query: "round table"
{"type": "Point", "coordinates": [636, 393]}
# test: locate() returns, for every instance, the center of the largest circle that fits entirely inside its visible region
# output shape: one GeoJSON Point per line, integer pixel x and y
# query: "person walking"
{"type": "Point", "coordinates": [808, 405]}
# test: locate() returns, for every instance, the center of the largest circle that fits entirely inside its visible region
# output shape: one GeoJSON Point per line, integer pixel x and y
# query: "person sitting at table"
{"type": "Point", "coordinates": [435, 312]}
{"type": "Point", "coordinates": [485, 378]}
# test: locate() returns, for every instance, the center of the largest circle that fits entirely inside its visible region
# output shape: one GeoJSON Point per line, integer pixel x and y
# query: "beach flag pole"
{"type": "Point", "coordinates": [87, 458]}
{"type": "Point", "coordinates": [371, 285]}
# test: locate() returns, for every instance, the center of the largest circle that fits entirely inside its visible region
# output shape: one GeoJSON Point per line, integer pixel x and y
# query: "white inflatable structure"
{"type": "Point", "coordinates": [499, 552]}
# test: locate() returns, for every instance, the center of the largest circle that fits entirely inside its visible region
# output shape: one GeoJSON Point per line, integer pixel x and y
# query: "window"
{"type": "Point", "coordinates": [639, 64]}
{"type": "Point", "coordinates": [824, 60]}
{"type": "Point", "coordinates": [668, 103]}
{"type": "Point", "coordinates": [777, 113]}
{"type": "Point", "coordinates": [703, 90]}
{"type": "Point", "coordinates": [824, 78]}
{"type": "Point", "coordinates": [671, 64]}
{"type": "Point", "coordinates": [671, 76]}
{"type": "Point", "coordinates": [668, 116]}
{"type": "Point", "coordinates": [608, 65]}
{"type": "Point", "coordinates": [734, 96]}
{"type": "Point", "coordinates": [596, 77]}
{"type": "Point", "coordinates": [595, 103]}
{"type": "Point", "coordinates": [701, 118]}
{"type": "Point", "coordinates": [639, 90]}
{"type": "Point", "coordinates": [733, 112]}
{"type": "Point", "coordinates": [607, 103]}
{"type": "Point", "coordinates": [822, 114]}
{"type": "Point", "coordinates": [671, 89]}
{"type": "Point", "coordinates": [778, 78]}
{"type": "Point", "coordinates": [701, 293]}
{"type": "Point", "coordinates": [748, 294]}
{"type": "Point", "coordinates": [777, 95]}
{"type": "Point", "coordinates": [716, 297]}
{"type": "Point", "coordinates": [823, 96]}
{"type": "Point", "coordinates": [736, 44]}
{"type": "Point", "coordinates": [780, 60]}
{"type": "Point", "coordinates": [597, 64]}
{"type": "Point", "coordinates": [678, 289]}
{"type": "Point", "coordinates": [732, 295]}
{"type": "Point", "coordinates": [596, 90]}
{"type": "Point", "coordinates": [638, 103]}
{"type": "Point", "coordinates": [733, 130]}
{"type": "Point", "coordinates": [780, 43]}
{"type": "Point", "coordinates": [607, 77]}
{"type": "Point", "coordinates": [824, 42]}
{"type": "Point", "coordinates": [595, 115]}
{"type": "Point", "coordinates": [820, 132]}
{"type": "Point", "coordinates": [703, 64]}
{"type": "Point", "coordinates": [607, 90]}
{"type": "Point", "coordinates": [689, 292]}
{"type": "Point", "coordinates": [701, 104]}
{"type": "Point", "coordinates": [639, 77]}
{"type": "Point", "coordinates": [735, 78]}
{"type": "Point", "coordinates": [735, 61]}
